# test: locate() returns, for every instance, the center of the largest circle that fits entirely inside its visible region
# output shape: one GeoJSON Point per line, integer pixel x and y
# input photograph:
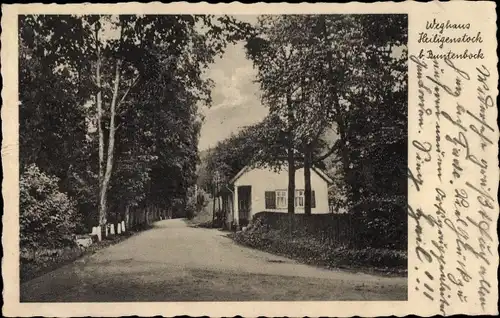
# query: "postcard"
{"type": "Point", "coordinates": [250, 159]}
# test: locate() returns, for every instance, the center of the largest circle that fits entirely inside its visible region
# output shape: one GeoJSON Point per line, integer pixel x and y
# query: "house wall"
{"type": "Point", "coordinates": [263, 180]}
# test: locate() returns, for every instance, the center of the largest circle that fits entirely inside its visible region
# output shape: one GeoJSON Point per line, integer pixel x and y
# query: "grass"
{"type": "Point", "coordinates": [37, 263]}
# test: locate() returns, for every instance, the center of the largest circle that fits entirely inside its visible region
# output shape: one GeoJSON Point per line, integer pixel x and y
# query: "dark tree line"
{"type": "Point", "coordinates": [342, 72]}
{"type": "Point", "coordinates": [109, 113]}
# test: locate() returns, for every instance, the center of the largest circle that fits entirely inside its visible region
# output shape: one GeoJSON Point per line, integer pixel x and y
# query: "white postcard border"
{"type": "Point", "coordinates": [481, 14]}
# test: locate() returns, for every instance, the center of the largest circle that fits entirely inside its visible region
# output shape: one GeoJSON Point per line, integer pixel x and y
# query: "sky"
{"type": "Point", "coordinates": [236, 96]}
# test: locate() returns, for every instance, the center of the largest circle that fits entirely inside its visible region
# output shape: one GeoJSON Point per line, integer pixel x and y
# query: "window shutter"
{"type": "Point", "coordinates": [313, 199]}
{"type": "Point", "coordinates": [270, 199]}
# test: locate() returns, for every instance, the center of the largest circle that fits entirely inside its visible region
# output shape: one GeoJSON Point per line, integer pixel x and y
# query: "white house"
{"type": "Point", "coordinates": [255, 190]}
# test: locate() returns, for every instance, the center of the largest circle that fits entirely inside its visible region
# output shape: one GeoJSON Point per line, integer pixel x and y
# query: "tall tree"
{"type": "Point", "coordinates": [282, 53]}
{"type": "Point", "coordinates": [271, 53]}
{"type": "Point", "coordinates": [125, 91]}
{"type": "Point", "coordinates": [332, 77]}
{"type": "Point", "coordinates": [143, 43]}
{"type": "Point", "coordinates": [54, 90]}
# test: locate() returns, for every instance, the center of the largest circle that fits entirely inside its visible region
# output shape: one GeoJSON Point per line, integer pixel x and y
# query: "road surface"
{"type": "Point", "coordinates": [175, 262]}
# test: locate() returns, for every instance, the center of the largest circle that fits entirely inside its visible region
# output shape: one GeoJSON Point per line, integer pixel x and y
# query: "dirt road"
{"type": "Point", "coordinates": [174, 262]}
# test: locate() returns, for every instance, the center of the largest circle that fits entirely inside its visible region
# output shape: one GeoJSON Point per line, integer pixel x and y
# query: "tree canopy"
{"type": "Point", "coordinates": [109, 104]}
{"type": "Point", "coordinates": [341, 72]}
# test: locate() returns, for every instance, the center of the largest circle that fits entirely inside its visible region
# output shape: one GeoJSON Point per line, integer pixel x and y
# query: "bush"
{"type": "Point", "coordinates": [311, 250]}
{"type": "Point", "coordinates": [190, 209]}
{"type": "Point", "coordinates": [47, 217]}
{"type": "Point", "coordinates": [382, 225]}
{"type": "Point", "coordinates": [206, 224]}
{"type": "Point", "coordinates": [334, 228]}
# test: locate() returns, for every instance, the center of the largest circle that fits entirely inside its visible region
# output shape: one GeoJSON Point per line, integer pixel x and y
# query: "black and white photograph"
{"type": "Point", "coordinates": [203, 158]}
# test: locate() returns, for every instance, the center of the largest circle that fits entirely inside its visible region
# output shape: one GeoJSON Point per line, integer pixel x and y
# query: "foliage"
{"type": "Point", "coordinates": [38, 262]}
{"type": "Point", "coordinates": [53, 117]}
{"type": "Point", "coordinates": [308, 249]}
{"type": "Point", "coordinates": [382, 224]}
{"type": "Point", "coordinates": [195, 203]}
{"type": "Point", "coordinates": [347, 72]}
{"type": "Point", "coordinates": [378, 141]}
{"type": "Point", "coordinates": [158, 61]}
{"type": "Point", "coordinates": [207, 224]}
{"type": "Point", "coordinates": [244, 148]}
{"type": "Point", "coordinates": [48, 218]}
{"type": "Point", "coordinates": [45, 260]}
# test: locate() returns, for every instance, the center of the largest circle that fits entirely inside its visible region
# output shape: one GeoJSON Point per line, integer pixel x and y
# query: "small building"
{"type": "Point", "coordinates": [254, 190]}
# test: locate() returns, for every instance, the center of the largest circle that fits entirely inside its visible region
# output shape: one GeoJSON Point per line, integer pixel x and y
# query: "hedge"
{"type": "Point", "coordinates": [310, 250]}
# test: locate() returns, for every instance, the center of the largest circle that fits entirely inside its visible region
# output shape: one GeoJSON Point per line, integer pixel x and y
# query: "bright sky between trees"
{"type": "Point", "coordinates": [236, 97]}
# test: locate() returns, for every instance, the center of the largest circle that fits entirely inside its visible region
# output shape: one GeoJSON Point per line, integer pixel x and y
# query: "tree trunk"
{"type": "Point", "coordinates": [219, 202]}
{"type": "Point", "coordinates": [111, 145]}
{"type": "Point", "coordinates": [142, 215]}
{"type": "Point", "coordinates": [127, 216]}
{"type": "Point", "coordinates": [307, 180]}
{"type": "Point", "coordinates": [291, 168]}
{"type": "Point", "coordinates": [348, 173]}
{"type": "Point", "coordinates": [132, 218]}
{"type": "Point", "coordinates": [291, 182]}
{"type": "Point", "coordinates": [101, 208]}
{"type": "Point", "coordinates": [307, 161]}
{"type": "Point", "coordinates": [213, 206]}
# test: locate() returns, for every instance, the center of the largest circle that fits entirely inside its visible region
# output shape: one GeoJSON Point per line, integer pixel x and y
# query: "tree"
{"type": "Point", "coordinates": [284, 56]}
{"type": "Point", "coordinates": [332, 70]}
{"type": "Point", "coordinates": [122, 91]}
{"type": "Point", "coordinates": [271, 53]}
{"type": "Point", "coordinates": [53, 108]}
{"type": "Point", "coordinates": [145, 44]}
{"type": "Point", "coordinates": [244, 148]}
{"type": "Point", "coordinates": [378, 140]}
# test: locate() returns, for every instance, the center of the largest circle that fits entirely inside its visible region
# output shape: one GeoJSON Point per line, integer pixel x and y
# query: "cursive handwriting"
{"type": "Point", "coordinates": [422, 90]}
{"type": "Point", "coordinates": [485, 101]}
{"type": "Point", "coordinates": [454, 229]}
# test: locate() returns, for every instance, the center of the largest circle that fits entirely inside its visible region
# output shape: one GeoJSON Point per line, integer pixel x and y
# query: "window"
{"type": "Point", "coordinates": [270, 197]}
{"type": "Point", "coordinates": [299, 198]}
{"type": "Point", "coordinates": [281, 199]}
